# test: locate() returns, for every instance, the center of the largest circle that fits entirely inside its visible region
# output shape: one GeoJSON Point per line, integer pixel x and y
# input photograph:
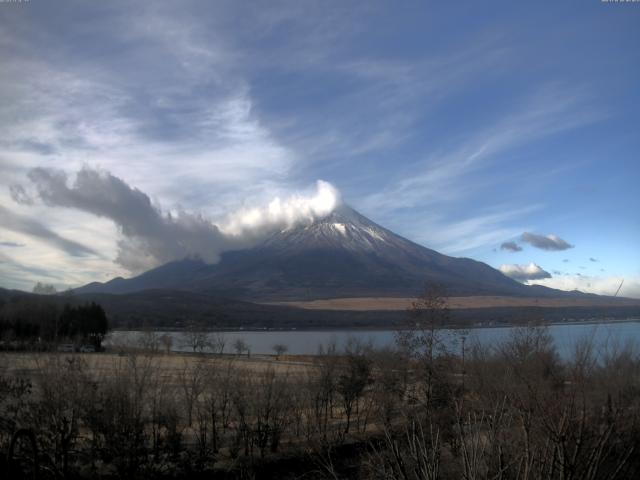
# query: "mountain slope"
{"type": "Point", "coordinates": [342, 255]}
{"type": "Point", "coordinates": [168, 276]}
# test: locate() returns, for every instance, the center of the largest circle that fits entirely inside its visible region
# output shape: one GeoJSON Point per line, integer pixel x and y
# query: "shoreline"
{"type": "Point", "coordinates": [382, 328]}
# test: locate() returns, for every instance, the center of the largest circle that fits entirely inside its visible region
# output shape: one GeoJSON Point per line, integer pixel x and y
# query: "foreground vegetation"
{"type": "Point", "coordinates": [416, 412]}
{"type": "Point", "coordinates": [430, 408]}
{"type": "Point", "coordinates": [39, 323]}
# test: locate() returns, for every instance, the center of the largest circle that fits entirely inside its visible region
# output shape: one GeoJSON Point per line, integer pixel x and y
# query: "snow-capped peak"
{"type": "Point", "coordinates": [343, 228]}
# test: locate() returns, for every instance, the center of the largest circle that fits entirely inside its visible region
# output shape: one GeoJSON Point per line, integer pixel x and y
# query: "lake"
{"type": "Point", "coordinates": [605, 335]}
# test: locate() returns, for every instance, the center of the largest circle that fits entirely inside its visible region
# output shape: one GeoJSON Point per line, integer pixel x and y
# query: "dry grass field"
{"type": "Point", "coordinates": [395, 303]}
{"type": "Point", "coordinates": [171, 366]}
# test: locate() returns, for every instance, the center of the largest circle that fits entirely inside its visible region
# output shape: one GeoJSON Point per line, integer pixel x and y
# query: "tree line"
{"type": "Point", "coordinates": [35, 320]}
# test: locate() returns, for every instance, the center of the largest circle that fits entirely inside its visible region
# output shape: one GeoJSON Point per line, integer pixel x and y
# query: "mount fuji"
{"type": "Point", "coordinates": [343, 254]}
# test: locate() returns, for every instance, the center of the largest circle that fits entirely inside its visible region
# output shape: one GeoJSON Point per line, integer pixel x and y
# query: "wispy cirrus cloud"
{"type": "Point", "coordinates": [21, 274]}
{"type": "Point", "coordinates": [448, 179]}
{"type": "Point", "coordinates": [433, 180]}
{"type": "Point", "coordinates": [28, 226]}
{"type": "Point", "coordinates": [5, 243]}
{"type": "Point", "coordinates": [437, 230]}
{"type": "Point", "coordinates": [386, 92]}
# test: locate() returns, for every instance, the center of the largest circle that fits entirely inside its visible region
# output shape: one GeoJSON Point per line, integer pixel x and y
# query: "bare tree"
{"type": "Point", "coordinates": [218, 341]}
{"type": "Point", "coordinates": [149, 341]}
{"type": "Point", "coordinates": [195, 338]}
{"type": "Point", "coordinates": [321, 390]}
{"type": "Point", "coordinates": [391, 370]}
{"type": "Point", "coordinates": [116, 415]}
{"type": "Point", "coordinates": [280, 349]}
{"type": "Point", "coordinates": [422, 339]}
{"type": "Point", "coordinates": [426, 315]}
{"type": "Point", "coordinates": [354, 377]}
{"type": "Point", "coordinates": [240, 346]}
{"type": "Point", "coordinates": [64, 384]}
{"type": "Point", "coordinates": [215, 410]}
{"type": "Point", "coordinates": [167, 342]}
{"type": "Point", "coordinates": [191, 381]}
{"type": "Point", "coordinates": [413, 455]}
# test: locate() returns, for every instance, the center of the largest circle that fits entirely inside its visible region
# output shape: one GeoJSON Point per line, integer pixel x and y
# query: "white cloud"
{"type": "Point", "coordinates": [523, 273]}
{"type": "Point", "coordinates": [287, 212]}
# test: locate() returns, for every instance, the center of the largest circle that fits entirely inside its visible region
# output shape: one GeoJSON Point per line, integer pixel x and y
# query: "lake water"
{"type": "Point", "coordinates": [605, 336]}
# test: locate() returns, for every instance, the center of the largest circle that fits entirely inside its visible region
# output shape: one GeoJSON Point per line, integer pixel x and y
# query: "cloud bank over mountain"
{"type": "Point", "coordinates": [150, 235]}
{"type": "Point", "coordinates": [283, 213]}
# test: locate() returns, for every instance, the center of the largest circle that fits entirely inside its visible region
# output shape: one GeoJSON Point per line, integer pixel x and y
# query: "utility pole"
{"type": "Point", "coordinates": [618, 290]}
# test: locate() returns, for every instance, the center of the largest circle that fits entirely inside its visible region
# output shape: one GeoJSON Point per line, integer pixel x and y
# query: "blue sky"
{"type": "Point", "coordinates": [459, 125]}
